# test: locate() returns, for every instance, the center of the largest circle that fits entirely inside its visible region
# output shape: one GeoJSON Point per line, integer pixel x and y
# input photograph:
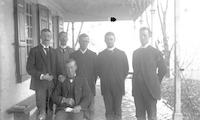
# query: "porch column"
{"type": "Point", "coordinates": [73, 45]}
{"type": "Point", "coordinates": [152, 20]}
{"type": "Point", "coordinates": [177, 115]}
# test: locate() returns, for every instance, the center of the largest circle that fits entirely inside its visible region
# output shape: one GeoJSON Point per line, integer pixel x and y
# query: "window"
{"type": "Point", "coordinates": [24, 36]}
{"type": "Point", "coordinates": [29, 20]}
{"type": "Point", "coordinates": [29, 26]}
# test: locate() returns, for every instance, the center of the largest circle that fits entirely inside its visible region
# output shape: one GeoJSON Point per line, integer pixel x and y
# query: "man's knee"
{"type": "Point", "coordinates": [141, 118]}
{"type": "Point", "coordinates": [89, 113]}
{"type": "Point", "coordinates": [117, 117]}
{"type": "Point", "coordinates": [78, 116]}
{"type": "Point", "coordinates": [61, 115]}
{"type": "Point", "coordinates": [109, 117]}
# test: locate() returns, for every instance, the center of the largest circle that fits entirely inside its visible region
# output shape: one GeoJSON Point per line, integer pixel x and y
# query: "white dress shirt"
{"type": "Point", "coordinates": [111, 49]}
{"type": "Point", "coordinates": [83, 51]}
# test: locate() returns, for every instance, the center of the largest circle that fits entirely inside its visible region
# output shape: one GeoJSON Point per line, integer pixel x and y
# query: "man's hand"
{"type": "Point", "coordinates": [69, 101]}
{"type": "Point", "coordinates": [42, 116]}
{"type": "Point", "coordinates": [77, 109]}
{"type": "Point", "coordinates": [47, 77]}
{"type": "Point", "coordinates": [61, 78]}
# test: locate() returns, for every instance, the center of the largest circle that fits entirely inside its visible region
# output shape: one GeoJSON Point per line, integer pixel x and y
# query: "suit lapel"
{"type": "Point", "coordinates": [51, 57]}
{"type": "Point", "coordinates": [42, 54]}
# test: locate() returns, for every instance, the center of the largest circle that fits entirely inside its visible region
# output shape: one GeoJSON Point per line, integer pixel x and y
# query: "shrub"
{"type": "Point", "coordinates": [190, 97]}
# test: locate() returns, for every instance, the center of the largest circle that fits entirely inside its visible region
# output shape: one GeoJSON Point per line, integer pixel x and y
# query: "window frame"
{"type": "Point", "coordinates": [21, 38]}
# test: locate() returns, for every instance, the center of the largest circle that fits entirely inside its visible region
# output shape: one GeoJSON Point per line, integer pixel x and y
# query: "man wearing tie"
{"type": "Point", "coordinates": [63, 52]}
{"type": "Point", "coordinates": [41, 65]}
{"type": "Point", "coordinates": [112, 70]}
{"type": "Point", "coordinates": [149, 69]}
{"type": "Point", "coordinates": [72, 96]}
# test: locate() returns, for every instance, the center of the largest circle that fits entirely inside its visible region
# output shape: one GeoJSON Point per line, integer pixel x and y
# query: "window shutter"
{"type": "Point", "coordinates": [21, 51]}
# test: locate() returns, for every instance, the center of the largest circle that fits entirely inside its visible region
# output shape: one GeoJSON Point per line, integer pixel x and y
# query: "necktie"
{"type": "Point", "coordinates": [47, 50]}
{"type": "Point", "coordinates": [63, 49]}
{"type": "Point", "coordinates": [71, 80]}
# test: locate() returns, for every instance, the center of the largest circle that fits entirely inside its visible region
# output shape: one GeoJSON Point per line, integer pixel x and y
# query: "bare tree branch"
{"type": "Point", "coordinates": [147, 19]}
{"type": "Point", "coordinates": [67, 28]}
{"type": "Point", "coordinates": [159, 15]}
{"type": "Point", "coordinates": [166, 5]}
{"type": "Point", "coordinates": [79, 33]}
{"type": "Point", "coordinates": [170, 51]}
{"type": "Point", "coordinates": [161, 8]}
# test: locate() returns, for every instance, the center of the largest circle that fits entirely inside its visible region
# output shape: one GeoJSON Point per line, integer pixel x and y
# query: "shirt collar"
{"type": "Point", "coordinates": [72, 79]}
{"type": "Point", "coordinates": [111, 49]}
{"type": "Point", "coordinates": [63, 46]}
{"type": "Point", "coordinates": [83, 52]}
{"type": "Point", "coordinates": [145, 46]}
{"type": "Point", "coordinates": [44, 46]}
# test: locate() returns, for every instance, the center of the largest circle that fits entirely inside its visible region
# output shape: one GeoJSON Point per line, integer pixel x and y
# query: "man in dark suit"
{"type": "Point", "coordinates": [72, 96]}
{"type": "Point", "coordinates": [86, 61]}
{"type": "Point", "coordinates": [63, 52]}
{"type": "Point", "coordinates": [41, 65]}
{"type": "Point", "coordinates": [149, 69]}
{"type": "Point", "coordinates": [112, 70]}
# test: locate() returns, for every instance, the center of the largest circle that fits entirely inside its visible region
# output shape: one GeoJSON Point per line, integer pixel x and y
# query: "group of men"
{"type": "Point", "coordinates": [67, 78]}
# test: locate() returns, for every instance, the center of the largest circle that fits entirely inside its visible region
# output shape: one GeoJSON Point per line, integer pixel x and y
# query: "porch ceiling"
{"type": "Point", "coordinates": [102, 10]}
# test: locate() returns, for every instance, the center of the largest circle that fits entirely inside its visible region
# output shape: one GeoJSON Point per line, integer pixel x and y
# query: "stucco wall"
{"type": "Point", "coordinates": [10, 91]}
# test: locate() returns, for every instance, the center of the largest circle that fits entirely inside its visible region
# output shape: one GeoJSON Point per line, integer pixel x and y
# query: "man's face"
{"type": "Point", "coordinates": [144, 37]}
{"type": "Point", "coordinates": [84, 41]}
{"type": "Point", "coordinates": [63, 39]}
{"type": "Point", "coordinates": [110, 41]}
{"type": "Point", "coordinates": [71, 68]}
{"type": "Point", "coordinates": [46, 38]}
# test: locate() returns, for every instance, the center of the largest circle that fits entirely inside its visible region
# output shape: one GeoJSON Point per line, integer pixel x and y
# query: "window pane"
{"type": "Point", "coordinates": [27, 8]}
{"type": "Point", "coordinates": [27, 20]}
{"type": "Point", "coordinates": [30, 9]}
{"type": "Point", "coordinates": [31, 21]}
{"type": "Point", "coordinates": [31, 32]}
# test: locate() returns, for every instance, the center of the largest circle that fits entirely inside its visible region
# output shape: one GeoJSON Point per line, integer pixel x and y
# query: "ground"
{"type": "Point", "coordinates": [128, 107]}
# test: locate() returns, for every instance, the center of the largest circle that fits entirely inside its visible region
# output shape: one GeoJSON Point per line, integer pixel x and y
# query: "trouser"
{"type": "Point", "coordinates": [112, 103]}
{"type": "Point", "coordinates": [62, 115]}
{"type": "Point", "coordinates": [89, 113]}
{"type": "Point", "coordinates": [144, 102]}
{"type": "Point", "coordinates": [42, 101]}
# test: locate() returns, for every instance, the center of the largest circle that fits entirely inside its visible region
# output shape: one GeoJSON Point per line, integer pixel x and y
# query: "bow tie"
{"type": "Point", "coordinates": [71, 80]}
{"type": "Point", "coordinates": [62, 50]}
{"type": "Point", "coordinates": [47, 49]}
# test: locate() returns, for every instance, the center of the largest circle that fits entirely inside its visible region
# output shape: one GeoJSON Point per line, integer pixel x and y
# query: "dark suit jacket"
{"type": "Point", "coordinates": [146, 62]}
{"type": "Point", "coordinates": [112, 70]}
{"type": "Point", "coordinates": [81, 90]}
{"type": "Point", "coordinates": [62, 57]}
{"type": "Point", "coordinates": [87, 66]}
{"type": "Point", "coordinates": [37, 65]}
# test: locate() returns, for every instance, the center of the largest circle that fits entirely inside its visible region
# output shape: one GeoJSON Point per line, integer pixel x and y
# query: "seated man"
{"type": "Point", "coordinates": [72, 96]}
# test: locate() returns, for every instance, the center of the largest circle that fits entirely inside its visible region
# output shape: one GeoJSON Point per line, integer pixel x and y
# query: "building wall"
{"type": "Point", "coordinates": [12, 92]}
